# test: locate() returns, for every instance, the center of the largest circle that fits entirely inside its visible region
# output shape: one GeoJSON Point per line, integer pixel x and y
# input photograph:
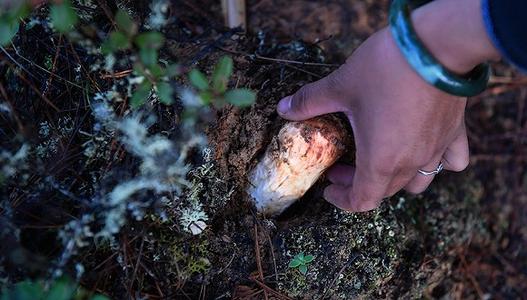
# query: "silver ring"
{"type": "Point", "coordinates": [431, 173]}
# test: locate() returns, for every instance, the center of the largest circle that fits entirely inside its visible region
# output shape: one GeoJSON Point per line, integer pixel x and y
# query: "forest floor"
{"type": "Point", "coordinates": [497, 128]}
{"type": "Point", "coordinates": [465, 238]}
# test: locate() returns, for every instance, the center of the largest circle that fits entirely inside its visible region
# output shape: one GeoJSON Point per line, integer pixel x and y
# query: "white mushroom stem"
{"type": "Point", "coordinates": [294, 161]}
{"type": "Point", "coordinates": [234, 13]}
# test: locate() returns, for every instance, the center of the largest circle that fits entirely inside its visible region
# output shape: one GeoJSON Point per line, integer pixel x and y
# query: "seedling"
{"type": "Point", "coordinates": [215, 91]}
{"type": "Point", "coordinates": [300, 262]}
{"type": "Point", "coordinates": [146, 45]}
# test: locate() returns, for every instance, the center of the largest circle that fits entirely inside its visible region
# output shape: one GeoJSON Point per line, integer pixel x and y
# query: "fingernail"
{"type": "Point", "coordinates": [284, 105]}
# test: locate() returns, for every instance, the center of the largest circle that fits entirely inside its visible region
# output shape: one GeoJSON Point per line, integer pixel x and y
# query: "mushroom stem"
{"type": "Point", "coordinates": [294, 160]}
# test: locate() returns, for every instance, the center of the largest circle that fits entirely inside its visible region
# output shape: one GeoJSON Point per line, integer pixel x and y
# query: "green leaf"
{"type": "Point", "coordinates": [10, 20]}
{"type": "Point", "coordinates": [308, 258]}
{"type": "Point", "coordinates": [241, 98]}
{"type": "Point", "coordinates": [139, 70]}
{"type": "Point", "coordinates": [26, 291]}
{"type": "Point", "coordinates": [151, 40]}
{"type": "Point", "coordinates": [7, 31]}
{"type": "Point", "coordinates": [125, 23]}
{"type": "Point", "coordinates": [141, 94]}
{"type": "Point", "coordinates": [157, 71]}
{"type": "Point", "coordinates": [302, 269]}
{"type": "Point", "coordinates": [294, 263]}
{"type": "Point", "coordinates": [119, 41]}
{"type": "Point", "coordinates": [198, 80]}
{"type": "Point", "coordinates": [222, 73]}
{"type": "Point", "coordinates": [107, 47]}
{"type": "Point", "coordinates": [206, 97]}
{"type": "Point", "coordinates": [148, 43]}
{"type": "Point", "coordinates": [100, 297]}
{"type": "Point", "coordinates": [20, 10]}
{"type": "Point", "coordinates": [63, 16]}
{"type": "Point", "coordinates": [61, 290]}
{"type": "Point", "coordinates": [165, 92]}
{"type": "Point", "coordinates": [300, 256]}
{"type": "Point", "coordinates": [148, 56]}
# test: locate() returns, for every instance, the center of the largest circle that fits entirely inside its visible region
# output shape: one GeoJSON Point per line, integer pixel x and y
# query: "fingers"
{"type": "Point", "coordinates": [341, 174]}
{"type": "Point", "coordinates": [421, 182]}
{"type": "Point", "coordinates": [311, 100]}
{"type": "Point", "coordinates": [455, 158]}
{"type": "Point", "coordinates": [358, 191]}
{"type": "Point", "coordinates": [338, 195]}
{"type": "Point", "coordinates": [365, 192]}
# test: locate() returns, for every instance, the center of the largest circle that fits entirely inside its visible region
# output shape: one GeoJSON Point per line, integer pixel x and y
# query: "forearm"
{"type": "Point", "coordinates": [454, 32]}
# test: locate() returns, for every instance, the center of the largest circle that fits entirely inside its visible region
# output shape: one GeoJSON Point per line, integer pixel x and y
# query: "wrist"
{"type": "Point", "coordinates": [454, 32]}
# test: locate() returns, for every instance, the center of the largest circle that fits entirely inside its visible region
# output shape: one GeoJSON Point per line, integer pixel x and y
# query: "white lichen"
{"type": "Point", "coordinates": [86, 9]}
{"type": "Point", "coordinates": [190, 99]}
{"type": "Point", "coordinates": [4, 108]}
{"type": "Point", "coordinates": [158, 14]}
{"type": "Point", "coordinates": [44, 129]}
{"type": "Point", "coordinates": [52, 136]}
{"type": "Point", "coordinates": [10, 162]}
{"type": "Point", "coordinates": [193, 220]}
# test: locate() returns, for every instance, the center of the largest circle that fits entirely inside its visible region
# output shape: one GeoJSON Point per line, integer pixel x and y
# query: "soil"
{"type": "Point", "coordinates": [464, 238]}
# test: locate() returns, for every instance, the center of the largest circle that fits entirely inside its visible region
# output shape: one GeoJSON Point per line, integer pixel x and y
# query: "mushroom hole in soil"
{"type": "Point", "coordinates": [296, 157]}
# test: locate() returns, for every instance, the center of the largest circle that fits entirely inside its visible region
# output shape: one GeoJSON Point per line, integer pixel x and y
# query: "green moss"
{"type": "Point", "coordinates": [349, 248]}
{"type": "Point", "coordinates": [189, 258]}
{"type": "Point", "coordinates": [379, 253]}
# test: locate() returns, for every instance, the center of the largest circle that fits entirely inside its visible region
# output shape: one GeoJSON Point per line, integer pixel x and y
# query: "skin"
{"type": "Point", "coordinates": [401, 124]}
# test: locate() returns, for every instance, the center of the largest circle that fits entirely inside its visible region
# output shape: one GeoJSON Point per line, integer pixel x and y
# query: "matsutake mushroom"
{"type": "Point", "coordinates": [294, 160]}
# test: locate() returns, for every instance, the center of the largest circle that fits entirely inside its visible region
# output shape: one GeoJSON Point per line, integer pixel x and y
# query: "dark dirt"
{"type": "Point", "coordinates": [339, 26]}
{"type": "Point", "coordinates": [464, 239]}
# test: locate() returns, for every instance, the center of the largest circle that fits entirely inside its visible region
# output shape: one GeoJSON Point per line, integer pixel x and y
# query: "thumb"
{"type": "Point", "coordinates": [311, 100]}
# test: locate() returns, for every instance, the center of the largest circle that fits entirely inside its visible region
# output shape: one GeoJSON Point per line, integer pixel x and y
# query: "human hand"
{"type": "Point", "coordinates": [401, 124]}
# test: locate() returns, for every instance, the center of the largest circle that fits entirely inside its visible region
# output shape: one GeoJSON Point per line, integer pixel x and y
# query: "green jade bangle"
{"type": "Point", "coordinates": [425, 64]}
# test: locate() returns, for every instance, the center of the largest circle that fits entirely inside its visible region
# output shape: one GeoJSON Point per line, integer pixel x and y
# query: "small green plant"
{"type": "Point", "coordinates": [62, 15]}
{"type": "Point", "coordinates": [215, 91]}
{"type": "Point", "coordinates": [300, 262]}
{"type": "Point", "coordinates": [147, 44]}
